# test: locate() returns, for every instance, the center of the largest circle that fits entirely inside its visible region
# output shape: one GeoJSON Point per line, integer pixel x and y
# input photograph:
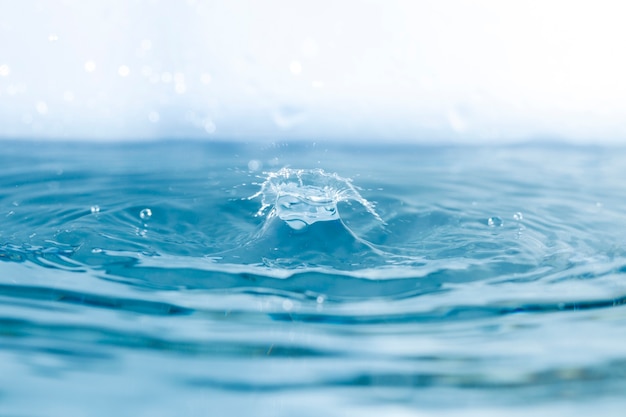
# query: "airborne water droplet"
{"type": "Point", "coordinates": [95, 209]}
{"type": "Point", "coordinates": [145, 214]}
{"type": "Point", "coordinates": [495, 222]}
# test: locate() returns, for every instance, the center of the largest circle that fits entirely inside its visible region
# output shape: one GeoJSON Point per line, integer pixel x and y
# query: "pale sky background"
{"type": "Point", "coordinates": [353, 70]}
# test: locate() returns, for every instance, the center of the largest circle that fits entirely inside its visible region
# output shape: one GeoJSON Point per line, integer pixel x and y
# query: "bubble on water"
{"type": "Point", "coordinates": [495, 222]}
{"type": "Point", "coordinates": [145, 214]}
{"type": "Point", "coordinates": [96, 250]}
{"type": "Point", "coordinates": [95, 209]}
{"type": "Point", "coordinates": [320, 299]}
{"type": "Point", "coordinates": [301, 197]}
{"type": "Point", "coordinates": [255, 165]}
{"type": "Point", "coordinates": [518, 216]}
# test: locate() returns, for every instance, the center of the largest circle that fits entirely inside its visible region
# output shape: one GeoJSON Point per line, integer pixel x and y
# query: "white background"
{"type": "Point", "coordinates": [409, 71]}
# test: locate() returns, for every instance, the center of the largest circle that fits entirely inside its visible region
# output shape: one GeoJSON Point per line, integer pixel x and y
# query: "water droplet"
{"type": "Point", "coordinates": [4, 70]}
{"type": "Point", "coordinates": [179, 78]}
{"type": "Point", "coordinates": [518, 216]}
{"type": "Point", "coordinates": [210, 127]}
{"type": "Point", "coordinates": [166, 77]}
{"type": "Point", "coordinates": [255, 165]}
{"type": "Point", "coordinates": [90, 66]}
{"type": "Point", "coordinates": [123, 71]}
{"type": "Point", "coordinates": [53, 37]}
{"type": "Point", "coordinates": [320, 299]}
{"type": "Point", "coordinates": [96, 250]}
{"type": "Point", "coordinates": [296, 224]}
{"type": "Point", "coordinates": [287, 116]}
{"type": "Point", "coordinates": [146, 44]}
{"type": "Point", "coordinates": [457, 121]}
{"type": "Point", "coordinates": [303, 197]}
{"type": "Point", "coordinates": [180, 88]}
{"type": "Point", "coordinates": [205, 78]}
{"type": "Point", "coordinates": [95, 209]}
{"type": "Point", "coordinates": [42, 107]}
{"type": "Point", "coordinates": [295, 67]}
{"type": "Point", "coordinates": [309, 48]}
{"type": "Point", "coordinates": [145, 214]}
{"type": "Point", "coordinates": [495, 222]}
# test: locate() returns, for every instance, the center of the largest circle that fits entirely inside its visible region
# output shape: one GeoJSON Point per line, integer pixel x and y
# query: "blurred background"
{"type": "Point", "coordinates": [353, 70]}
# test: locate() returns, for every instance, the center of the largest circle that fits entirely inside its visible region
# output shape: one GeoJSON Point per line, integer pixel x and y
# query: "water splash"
{"type": "Point", "coordinates": [301, 197]}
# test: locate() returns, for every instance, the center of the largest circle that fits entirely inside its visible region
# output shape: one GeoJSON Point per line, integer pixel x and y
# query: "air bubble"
{"type": "Point", "coordinates": [495, 222]}
{"type": "Point", "coordinates": [145, 214]}
{"type": "Point", "coordinates": [287, 305]}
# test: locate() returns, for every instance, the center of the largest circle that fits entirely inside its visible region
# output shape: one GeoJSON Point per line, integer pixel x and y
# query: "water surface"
{"type": "Point", "coordinates": [199, 278]}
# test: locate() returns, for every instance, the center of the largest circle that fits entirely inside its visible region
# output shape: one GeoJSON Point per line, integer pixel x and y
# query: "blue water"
{"type": "Point", "coordinates": [190, 278]}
